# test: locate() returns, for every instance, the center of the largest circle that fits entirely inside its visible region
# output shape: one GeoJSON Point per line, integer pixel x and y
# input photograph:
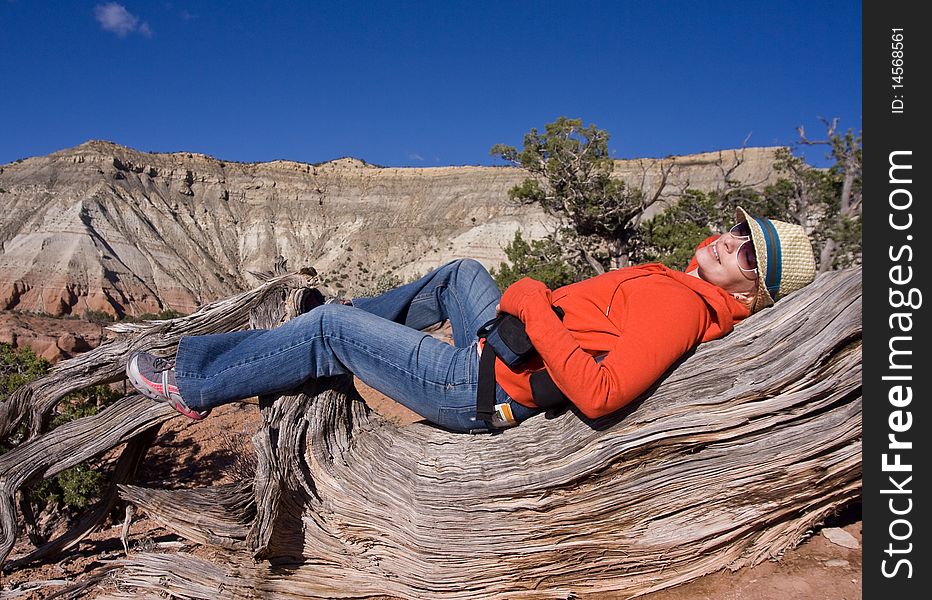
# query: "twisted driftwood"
{"type": "Point", "coordinates": [730, 460]}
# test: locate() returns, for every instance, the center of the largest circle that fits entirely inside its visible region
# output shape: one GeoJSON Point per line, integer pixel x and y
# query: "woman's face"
{"type": "Point", "coordinates": [718, 264]}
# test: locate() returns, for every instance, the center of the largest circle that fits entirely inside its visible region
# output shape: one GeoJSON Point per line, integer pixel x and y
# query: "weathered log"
{"type": "Point", "coordinates": [730, 460]}
{"type": "Point", "coordinates": [218, 516]}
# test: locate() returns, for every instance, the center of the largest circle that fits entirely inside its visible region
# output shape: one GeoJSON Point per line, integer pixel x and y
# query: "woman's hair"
{"type": "Point", "coordinates": [750, 301]}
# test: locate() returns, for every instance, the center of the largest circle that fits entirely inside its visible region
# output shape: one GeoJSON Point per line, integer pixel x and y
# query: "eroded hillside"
{"type": "Point", "coordinates": [102, 227]}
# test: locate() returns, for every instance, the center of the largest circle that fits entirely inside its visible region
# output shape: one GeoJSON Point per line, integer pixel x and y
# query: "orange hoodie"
{"type": "Point", "coordinates": [643, 318]}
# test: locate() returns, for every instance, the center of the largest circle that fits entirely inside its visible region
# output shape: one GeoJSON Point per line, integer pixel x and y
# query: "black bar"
{"type": "Point", "coordinates": [895, 47]}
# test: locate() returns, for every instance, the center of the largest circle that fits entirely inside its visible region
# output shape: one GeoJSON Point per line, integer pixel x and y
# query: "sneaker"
{"type": "Point", "coordinates": [154, 377]}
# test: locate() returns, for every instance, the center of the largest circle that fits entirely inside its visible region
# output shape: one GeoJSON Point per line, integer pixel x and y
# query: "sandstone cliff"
{"type": "Point", "coordinates": [106, 228]}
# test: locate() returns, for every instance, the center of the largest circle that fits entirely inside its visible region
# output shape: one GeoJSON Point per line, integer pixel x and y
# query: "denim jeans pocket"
{"type": "Point", "coordinates": [462, 419]}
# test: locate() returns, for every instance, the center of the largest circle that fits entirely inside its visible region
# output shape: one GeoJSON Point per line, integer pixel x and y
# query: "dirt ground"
{"type": "Point", "coordinates": [210, 452]}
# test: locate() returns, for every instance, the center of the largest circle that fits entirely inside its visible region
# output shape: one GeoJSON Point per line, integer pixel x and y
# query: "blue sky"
{"type": "Point", "coordinates": [421, 83]}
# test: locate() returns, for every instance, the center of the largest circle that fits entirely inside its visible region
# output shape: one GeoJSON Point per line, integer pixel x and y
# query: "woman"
{"type": "Point", "coordinates": [619, 333]}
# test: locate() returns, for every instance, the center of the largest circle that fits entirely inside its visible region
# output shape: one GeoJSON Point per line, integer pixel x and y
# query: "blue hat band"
{"type": "Point", "coordinates": [774, 260]}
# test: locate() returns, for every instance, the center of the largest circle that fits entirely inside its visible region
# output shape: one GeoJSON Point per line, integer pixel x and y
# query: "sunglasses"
{"type": "Point", "coordinates": [747, 256]}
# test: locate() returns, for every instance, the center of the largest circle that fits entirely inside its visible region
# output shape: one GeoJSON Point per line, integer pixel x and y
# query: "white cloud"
{"type": "Point", "coordinates": [417, 157]}
{"type": "Point", "coordinates": [114, 17]}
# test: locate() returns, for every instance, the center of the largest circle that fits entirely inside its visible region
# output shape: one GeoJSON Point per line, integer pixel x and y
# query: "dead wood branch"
{"type": "Point", "coordinates": [217, 516]}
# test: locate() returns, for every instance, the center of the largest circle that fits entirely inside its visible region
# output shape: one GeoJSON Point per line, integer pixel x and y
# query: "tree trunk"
{"type": "Point", "coordinates": [827, 256]}
{"type": "Point", "coordinates": [730, 460]}
{"type": "Point", "coordinates": [618, 252]}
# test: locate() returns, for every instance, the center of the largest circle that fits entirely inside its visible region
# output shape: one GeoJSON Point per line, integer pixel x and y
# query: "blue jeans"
{"type": "Point", "coordinates": [377, 339]}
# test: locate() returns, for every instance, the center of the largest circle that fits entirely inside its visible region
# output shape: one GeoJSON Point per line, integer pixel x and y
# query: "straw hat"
{"type": "Point", "coordinates": [785, 261]}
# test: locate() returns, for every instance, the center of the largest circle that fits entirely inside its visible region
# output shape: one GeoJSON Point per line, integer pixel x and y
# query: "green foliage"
{"type": "Point", "coordinates": [539, 259]}
{"type": "Point", "coordinates": [163, 315]}
{"type": "Point", "coordinates": [572, 180]}
{"type": "Point", "coordinates": [75, 488]}
{"type": "Point", "coordinates": [388, 281]}
{"type": "Point", "coordinates": [98, 316]}
{"type": "Point", "coordinates": [846, 232]}
{"type": "Point", "coordinates": [672, 236]}
{"type": "Point", "coordinates": [81, 484]}
{"type": "Point", "coordinates": [18, 366]}
{"type": "Point", "coordinates": [384, 283]}
{"type": "Point", "coordinates": [84, 403]}
{"type": "Point", "coordinates": [825, 201]}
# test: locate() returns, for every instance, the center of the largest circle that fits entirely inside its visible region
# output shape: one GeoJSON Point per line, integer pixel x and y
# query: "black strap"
{"type": "Point", "coordinates": [485, 394]}
{"type": "Point", "coordinates": [544, 391]}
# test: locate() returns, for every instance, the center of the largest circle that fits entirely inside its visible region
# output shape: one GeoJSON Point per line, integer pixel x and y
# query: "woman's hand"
{"type": "Point", "coordinates": [523, 295]}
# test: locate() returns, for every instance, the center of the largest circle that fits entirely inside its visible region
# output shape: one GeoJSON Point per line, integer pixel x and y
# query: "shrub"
{"type": "Point", "coordinates": [98, 316]}
{"type": "Point", "coordinates": [75, 487]}
{"type": "Point", "coordinates": [18, 366]}
{"type": "Point", "coordinates": [162, 315]}
{"type": "Point", "coordinates": [538, 259]}
{"type": "Point", "coordinates": [386, 282]}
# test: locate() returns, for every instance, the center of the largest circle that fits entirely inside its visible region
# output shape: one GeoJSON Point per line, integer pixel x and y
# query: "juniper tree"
{"type": "Point", "coordinates": [572, 179]}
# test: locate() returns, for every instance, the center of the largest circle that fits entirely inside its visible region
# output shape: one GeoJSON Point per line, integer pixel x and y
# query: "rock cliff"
{"type": "Point", "coordinates": [103, 227]}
